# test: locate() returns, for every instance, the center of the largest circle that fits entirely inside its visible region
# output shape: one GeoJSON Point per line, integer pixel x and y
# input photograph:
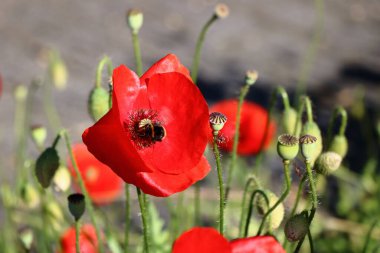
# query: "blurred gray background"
{"type": "Point", "coordinates": [267, 35]}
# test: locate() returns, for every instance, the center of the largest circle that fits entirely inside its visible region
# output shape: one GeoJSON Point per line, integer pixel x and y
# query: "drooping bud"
{"type": "Point", "coordinates": [135, 20]}
{"type": "Point", "coordinates": [287, 146]}
{"type": "Point", "coordinates": [62, 179]}
{"type": "Point", "coordinates": [296, 227]}
{"type": "Point", "coordinates": [311, 128]}
{"type": "Point", "coordinates": [251, 77]}
{"type": "Point", "coordinates": [77, 205]}
{"type": "Point", "coordinates": [30, 196]}
{"type": "Point", "coordinates": [221, 10]}
{"type": "Point", "coordinates": [46, 166]}
{"type": "Point", "coordinates": [277, 215]}
{"type": "Point", "coordinates": [217, 121]}
{"type": "Point", "coordinates": [308, 146]}
{"type": "Point", "coordinates": [289, 120]}
{"type": "Point", "coordinates": [328, 162]}
{"type": "Point", "coordinates": [39, 134]}
{"type": "Point", "coordinates": [339, 145]}
{"type": "Point", "coordinates": [98, 103]}
{"type": "Point", "coordinates": [57, 70]}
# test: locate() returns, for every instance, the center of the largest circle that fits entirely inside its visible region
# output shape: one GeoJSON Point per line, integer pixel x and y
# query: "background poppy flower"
{"type": "Point", "coordinates": [87, 240]}
{"type": "Point", "coordinates": [156, 132]}
{"type": "Point", "coordinates": [204, 240]}
{"type": "Point", "coordinates": [252, 126]}
{"type": "Point", "coordinates": [102, 184]}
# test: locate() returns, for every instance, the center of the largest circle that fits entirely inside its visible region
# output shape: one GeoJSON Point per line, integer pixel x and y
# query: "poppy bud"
{"type": "Point", "coordinates": [135, 20]}
{"type": "Point", "coordinates": [46, 166]}
{"type": "Point", "coordinates": [217, 121]}
{"type": "Point", "coordinates": [221, 10]}
{"type": "Point", "coordinates": [289, 120]}
{"type": "Point", "coordinates": [328, 162]}
{"type": "Point", "coordinates": [58, 71]}
{"type": "Point", "coordinates": [339, 145]}
{"type": "Point", "coordinates": [62, 179]}
{"type": "Point", "coordinates": [26, 237]}
{"type": "Point", "coordinates": [276, 216]}
{"type": "Point", "coordinates": [98, 103]}
{"type": "Point", "coordinates": [30, 196]}
{"type": "Point", "coordinates": [312, 129]}
{"type": "Point", "coordinates": [39, 134]}
{"type": "Point", "coordinates": [77, 205]}
{"type": "Point", "coordinates": [287, 146]}
{"type": "Point", "coordinates": [296, 227]}
{"type": "Point", "coordinates": [308, 146]}
{"type": "Point", "coordinates": [251, 77]}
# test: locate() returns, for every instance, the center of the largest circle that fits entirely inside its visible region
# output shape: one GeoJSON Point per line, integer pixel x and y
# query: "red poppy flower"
{"type": "Point", "coordinates": [156, 132]}
{"type": "Point", "coordinates": [87, 240]}
{"type": "Point", "coordinates": [102, 184]}
{"type": "Point", "coordinates": [252, 126]}
{"type": "Point", "coordinates": [204, 240]}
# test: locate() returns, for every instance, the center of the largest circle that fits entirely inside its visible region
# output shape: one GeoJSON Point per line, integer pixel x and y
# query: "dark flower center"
{"type": "Point", "coordinates": [145, 128]}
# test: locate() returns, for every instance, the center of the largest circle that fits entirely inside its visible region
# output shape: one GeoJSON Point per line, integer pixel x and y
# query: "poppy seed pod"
{"type": "Point", "coordinates": [221, 10]}
{"type": "Point", "coordinates": [62, 179]}
{"type": "Point", "coordinates": [39, 134]}
{"type": "Point", "coordinates": [296, 227]}
{"type": "Point", "coordinates": [308, 146]}
{"type": "Point", "coordinates": [77, 205]}
{"type": "Point", "coordinates": [311, 128]}
{"type": "Point", "coordinates": [287, 146]}
{"type": "Point", "coordinates": [46, 166]}
{"type": "Point", "coordinates": [98, 103]}
{"type": "Point", "coordinates": [339, 145]}
{"type": "Point", "coordinates": [135, 20]}
{"type": "Point", "coordinates": [277, 215]}
{"type": "Point", "coordinates": [328, 162]}
{"type": "Point", "coordinates": [217, 121]}
{"type": "Point", "coordinates": [289, 120]}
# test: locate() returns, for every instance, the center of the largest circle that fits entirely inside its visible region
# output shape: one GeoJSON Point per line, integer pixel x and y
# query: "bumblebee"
{"type": "Point", "coordinates": [148, 130]}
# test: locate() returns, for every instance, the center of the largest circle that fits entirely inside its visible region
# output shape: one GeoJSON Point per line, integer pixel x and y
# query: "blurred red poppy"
{"type": "Point", "coordinates": [87, 240]}
{"type": "Point", "coordinates": [204, 240]}
{"type": "Point", "coordinates": [252, 126]}
{"type": "Point", "coordinates": [156, 132]}
{"type": "Point", "coordinates": [102, 184]}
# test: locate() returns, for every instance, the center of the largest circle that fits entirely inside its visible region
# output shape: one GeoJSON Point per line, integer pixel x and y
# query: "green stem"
{"type": "Point", "coordinates": [248, 217]}
{"type": "Point", "coordinates": [298, 197]}
{"type": "Point", "coordinates": [311, 53]}
{"type": "Point", "coordinates": [127, 217]}
{"type": "Point", "coordinates": [197, 204]}
{"type": "Point", "coordinates": [77, 233]}
{"type": "Point", "coordinates": [49, 106]}
{"type": "Point", "coordinates": [339, 111]}
{"type": "Point", "coordinates": [282, 197]}
{"type": "Point", "coordinates": [87, 199]}
{"type": "Point", "coordinates": [301, 108]}
{"type": "Point", "coordinates": [309, 109]}
{"type": "Point", "coordinates": [198, 48]}
{"type": "Point", "coordinates": [221, 186]}
{"type": "Point", "coordinates": [368, 237]}
{"type": "Point", "coordinates": [137, 51]}
{"type": "Point", "coordinates": [244, 208]}
{"type": "Point", "coordinates": [105, 60]}
{"type": "Point", "coordinates": [144, 219]}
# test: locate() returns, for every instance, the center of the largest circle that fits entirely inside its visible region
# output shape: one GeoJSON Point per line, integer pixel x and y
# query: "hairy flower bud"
{"type": "Point", "coordinates": [339, 145]}
{"type": "Point", "coordinates": [328, 162]}
{"type": "Point", "coordinates": [98, 103]}
{"type": "Point", "coordinates": [217, 121]}
{"type": "Point", "coordinates": [135, 20]}
{"type": "Point", "coordinates": [311, 128]}
{"type": "Point", "coordinates": [62, 179]}
{"type": "Point", "coordinates": [296, 227]}
{"type": "Point", "coordinates": [30, 196]}
{"type": "Point", "coordinates": [46, 166]}
{"type": "Point", "coordinates": [55, 215]}
{"type": "Point", "coordinates": [287, 146]}
{"type": "Point", "coordinates": [308, 146]}
{"type": "Point", "coordinates": [39, 134]}
{"type": "Point", "coordinates": [58, 71]}
{"type": "Point", "coordinates": [77, 205]}
{"type": "Point", "coordinates": [251, 77]}
{"type": "Point", "coordinates": [289, 120]}
{"type": "Point", "coordinates": [26, 237]}
{"type": "Point", "coordinates": [277, 215]}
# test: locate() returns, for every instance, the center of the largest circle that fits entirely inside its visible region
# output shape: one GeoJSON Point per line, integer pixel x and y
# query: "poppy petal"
{"type": "Point", "coordinates": [162, 185]}
{"type": "Point", "coordinates": [184, 114]}
{"type": "Point", "coordinates": [169, 63]}
{"type": "Point", "coordinates": [257, 244]}
{"type": "Point", "coordinates": [201, 240]}
{"type": "Point", "coordinates": [109, 143]}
